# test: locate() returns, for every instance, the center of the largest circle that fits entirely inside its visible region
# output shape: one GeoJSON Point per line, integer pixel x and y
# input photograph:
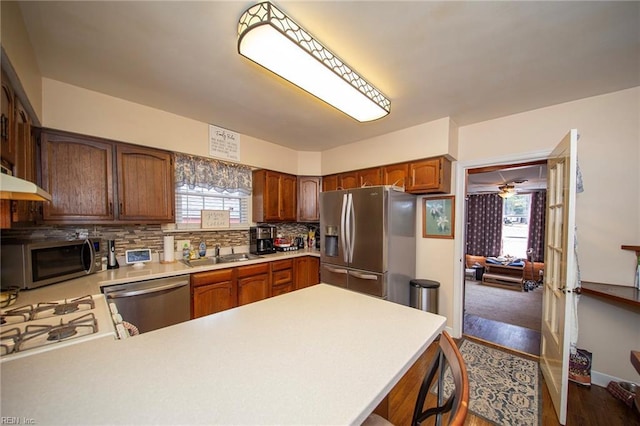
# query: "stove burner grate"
{"type": "Point", "coordinates": [87, 324]}
{"type": "Point", "coordinates": [43, 310]}
{"type": "Point", "coordinates": [61, 332]}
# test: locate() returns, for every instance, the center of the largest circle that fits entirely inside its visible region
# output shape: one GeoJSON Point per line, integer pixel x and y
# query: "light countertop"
{"type": "Point", "coordinates": [91, 284]}
{"type": "Point", "coordinates": [320, 355]}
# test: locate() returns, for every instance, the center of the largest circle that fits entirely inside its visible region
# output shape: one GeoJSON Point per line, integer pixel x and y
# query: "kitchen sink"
{"type": "Point", "coordinates": [235, 257]}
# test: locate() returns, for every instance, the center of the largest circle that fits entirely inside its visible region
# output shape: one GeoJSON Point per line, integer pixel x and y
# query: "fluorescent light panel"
{"type": "Point", "coordinates": [270, 38]}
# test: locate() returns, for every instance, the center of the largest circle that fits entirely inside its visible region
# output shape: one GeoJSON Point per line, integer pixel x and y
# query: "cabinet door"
{"type": "Point", "coordinates": [329, 183]}
{"type": "Point", "coordinates": [7, 138]}
{"type": "Point", "coordinates": [370, 177]}
{"type": "Point", "coordinates": [78, 174]}
{"type": "Point", "coordinates": [25, 165]}
{"type": "Point", "coordinates": [288, 197]}
{"type": "Point", "coordinates": [348, 180]}
{"type": "Point", "coordinates": [212, 298]}
{"type": "Point", "coordinates": [253, 283]}
{"type": "Point", "coordinates": [308, 194]}
{"type": "Point", "coordinates": [146, 189]}
{"type": "Point", "coordinates": [307, 271]}
{"type": "Point", "coordinates": [430, 176]}
{"type": "Point", "coordinates": [395, 174]}
{"type": "Point", "coordinates": [271, 196]}
{"type": "Point", "coordinates": [212, 292]}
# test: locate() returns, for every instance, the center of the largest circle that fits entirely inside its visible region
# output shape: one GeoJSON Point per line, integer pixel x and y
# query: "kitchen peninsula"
{"type": "Point", "coordinates": [320, 355]}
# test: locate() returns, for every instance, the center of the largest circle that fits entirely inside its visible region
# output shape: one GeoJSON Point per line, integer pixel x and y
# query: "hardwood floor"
{"type": "Point", "coordinates": [588, 406]}
{"type": "Point", "coordinates": [510, 336]}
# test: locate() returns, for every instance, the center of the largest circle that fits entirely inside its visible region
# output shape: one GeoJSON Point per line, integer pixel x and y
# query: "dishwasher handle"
{"type": "Point", "coordinates": [134, 292]}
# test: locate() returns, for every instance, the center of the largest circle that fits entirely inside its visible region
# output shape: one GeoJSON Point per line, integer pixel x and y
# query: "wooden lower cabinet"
{"type": "Point", "coordinates": [212, 291]}
{"type": "Point", "coordinates": [282, 277]}
{"type": "Point", "coordinates": [253, 283]}
{"type": "Point", "coordinates": [222, 289]}
{"type": "Point", "coordinates": [307, 271]}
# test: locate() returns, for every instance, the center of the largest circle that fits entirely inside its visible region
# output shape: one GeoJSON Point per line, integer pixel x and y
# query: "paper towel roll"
{"type": "Point", "coordinates": [169, 248]}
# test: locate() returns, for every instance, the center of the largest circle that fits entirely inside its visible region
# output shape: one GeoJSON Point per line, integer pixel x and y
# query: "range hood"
{"type": "Point", "coordinates": [13, 188]}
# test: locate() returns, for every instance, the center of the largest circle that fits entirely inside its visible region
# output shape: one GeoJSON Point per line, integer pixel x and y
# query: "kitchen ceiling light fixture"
{"type": "Point", "coordinates": [507, 190]}
{"type": "Point", "coordinates": [273, 40]}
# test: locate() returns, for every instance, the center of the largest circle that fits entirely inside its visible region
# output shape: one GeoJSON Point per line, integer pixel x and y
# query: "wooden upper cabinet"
{"type": "Point", "coordinates": [348, 180]}
{"type": "Point", "coordinates": [395, 174]}
{"type": "Point", "coordinates": [288, 197]}
{"type": "Point", "coordinates": [7, 137]}
{"type": "Point", "coordinates": [329, 183]}
{"type": "Point", "coordinates": [429, 176]}
{"type": "Point", "coordinates": [78, 174]}
{"type": "Point", "coordinates": [93, 180]}
{"type": "Point", "coordinates": [25, 164]}
{"type": "Point", "coordinates": [274, 196]}
{"type": "Point", "coordinates": [369, 177]}
{"type": "Point", "coordinates": [308, 198]}
{"type": "Point", "coordinates": [146, 190]}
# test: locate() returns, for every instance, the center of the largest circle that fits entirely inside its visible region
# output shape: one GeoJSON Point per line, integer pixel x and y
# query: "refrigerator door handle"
{"type": "Point", "coordinates": [343, 236]}
{"type": "Point", "coordinates": [351, 228]}
{"type": "Point", "coordinates": [335, 270]}
{"type": "Point", "coordinates": [364, 276]}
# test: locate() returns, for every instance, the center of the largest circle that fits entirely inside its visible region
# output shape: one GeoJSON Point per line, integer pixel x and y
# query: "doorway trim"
{"type": "Point", "coordinates": [460, 192]}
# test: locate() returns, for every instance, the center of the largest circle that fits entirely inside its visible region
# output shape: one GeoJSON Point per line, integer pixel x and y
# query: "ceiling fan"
{"type": "Point", "coordinates": [508, 189]}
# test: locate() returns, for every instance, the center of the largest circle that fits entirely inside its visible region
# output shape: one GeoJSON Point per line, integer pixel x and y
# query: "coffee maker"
{"type": "Point", "coordinates": [261, 239]}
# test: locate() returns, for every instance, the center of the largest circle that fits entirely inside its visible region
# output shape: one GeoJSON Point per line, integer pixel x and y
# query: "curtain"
{"type": "Point", "coordinates": [208, 173]}
{"type": "Point", "coordinates": [537, 223]}
{"type": "Point", "coordinates": [484, 225]}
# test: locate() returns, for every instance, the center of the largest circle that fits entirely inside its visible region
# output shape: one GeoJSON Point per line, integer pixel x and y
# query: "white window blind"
{"type": "Point", "coordinates": [189, 203]}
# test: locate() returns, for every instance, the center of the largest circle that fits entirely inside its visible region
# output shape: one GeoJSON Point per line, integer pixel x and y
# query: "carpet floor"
{"type": "Point", "coordinates": [503, 388]}
{"type": "Point", "coordinates": [522, 308]}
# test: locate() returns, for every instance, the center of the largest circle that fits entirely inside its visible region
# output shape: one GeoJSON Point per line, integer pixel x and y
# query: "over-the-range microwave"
{"type": "Point", "coordinates": [31, 264]}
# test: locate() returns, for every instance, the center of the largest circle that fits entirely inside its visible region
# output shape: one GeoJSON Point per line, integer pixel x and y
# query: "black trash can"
{"type": "Point", "coordinates": [424, 295]}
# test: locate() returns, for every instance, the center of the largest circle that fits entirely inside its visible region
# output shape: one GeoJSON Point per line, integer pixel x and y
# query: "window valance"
{"type": "Point", "coordinates": [209, 173]}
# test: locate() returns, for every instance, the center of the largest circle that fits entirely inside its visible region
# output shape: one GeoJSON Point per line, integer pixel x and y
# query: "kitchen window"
{"type": "Point", "coordinates": [209, 184]}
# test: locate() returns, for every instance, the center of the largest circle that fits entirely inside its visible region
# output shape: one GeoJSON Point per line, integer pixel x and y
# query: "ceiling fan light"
{"type": "Point", "coordinates": [273, 40]}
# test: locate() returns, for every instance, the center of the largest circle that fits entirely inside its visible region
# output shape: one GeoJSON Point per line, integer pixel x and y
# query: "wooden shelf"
{"type": "Point", "coordinates": [632, 248]}
{"type": "Point", "coordinates": [615, 293]}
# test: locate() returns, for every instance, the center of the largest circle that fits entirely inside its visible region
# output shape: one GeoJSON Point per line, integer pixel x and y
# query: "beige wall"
{"type": "Point", "coordinates": [421, 141]}
{"type": "Point", "coordinates": [17, 47]}
{"type": "Point", "coordinates": [607, 212]}
{"type": "Point", "coordinates": [74, 109]}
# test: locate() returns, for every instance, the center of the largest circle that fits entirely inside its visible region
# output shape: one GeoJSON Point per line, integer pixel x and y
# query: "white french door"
{"type": "Point", "coordinates": [560, 277]}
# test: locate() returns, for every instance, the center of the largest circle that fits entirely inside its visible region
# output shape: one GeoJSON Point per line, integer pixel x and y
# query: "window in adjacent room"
{"type": "Point", "coordinates": [209, 184]}
{"type": "Point", "coordinates": [516, 211]}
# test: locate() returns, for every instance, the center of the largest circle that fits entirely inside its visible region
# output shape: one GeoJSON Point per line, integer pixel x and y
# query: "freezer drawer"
{"type": "Point", "coordinates": [334, 275]}
{"type": "Point", "coordinates": [367, 282]}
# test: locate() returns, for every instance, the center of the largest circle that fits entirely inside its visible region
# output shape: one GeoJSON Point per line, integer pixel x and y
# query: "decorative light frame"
{"type": "Point", "coordinates": [349, 92]}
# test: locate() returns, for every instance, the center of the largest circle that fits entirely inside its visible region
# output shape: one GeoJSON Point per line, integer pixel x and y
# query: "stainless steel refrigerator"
{"type": "Point", "coordinates": [369, 241]}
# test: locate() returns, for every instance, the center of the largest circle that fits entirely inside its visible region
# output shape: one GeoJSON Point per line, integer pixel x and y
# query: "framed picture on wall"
{"type": "Point", "coordinates": [438, 217]}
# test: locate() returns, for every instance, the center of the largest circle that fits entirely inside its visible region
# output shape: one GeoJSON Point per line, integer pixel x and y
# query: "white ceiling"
{"type": "Point", "coordinates": [471, 61]}
{"type": "Point", "coordinates": [524, 177]}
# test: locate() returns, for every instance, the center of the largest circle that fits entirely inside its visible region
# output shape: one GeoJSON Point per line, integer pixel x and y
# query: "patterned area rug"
{"type": "Point", "coordinates": [504, 388]}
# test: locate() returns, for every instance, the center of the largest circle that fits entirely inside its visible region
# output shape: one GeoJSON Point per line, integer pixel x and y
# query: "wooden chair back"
{"type": "Point", "coordinates": [457, 403]}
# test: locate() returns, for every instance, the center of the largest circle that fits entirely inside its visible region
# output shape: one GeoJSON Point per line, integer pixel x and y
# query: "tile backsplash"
{"type": "Point", "coordinates": [130, 237]}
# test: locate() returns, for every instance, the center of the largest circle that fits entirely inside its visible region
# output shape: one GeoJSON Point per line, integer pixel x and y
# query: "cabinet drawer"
{"type": "Point", "coordinates": [250, 270]}
{"type": "Point", "coordinates": [282, 264]}
{"type": "Point", "coordinates": [203, 278]}
{"type": "Point", "coordinates": [282, 277]}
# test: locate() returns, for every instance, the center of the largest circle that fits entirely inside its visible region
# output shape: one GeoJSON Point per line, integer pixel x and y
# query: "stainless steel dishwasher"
{"type": "Point", "coordinates": [152, 304]}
